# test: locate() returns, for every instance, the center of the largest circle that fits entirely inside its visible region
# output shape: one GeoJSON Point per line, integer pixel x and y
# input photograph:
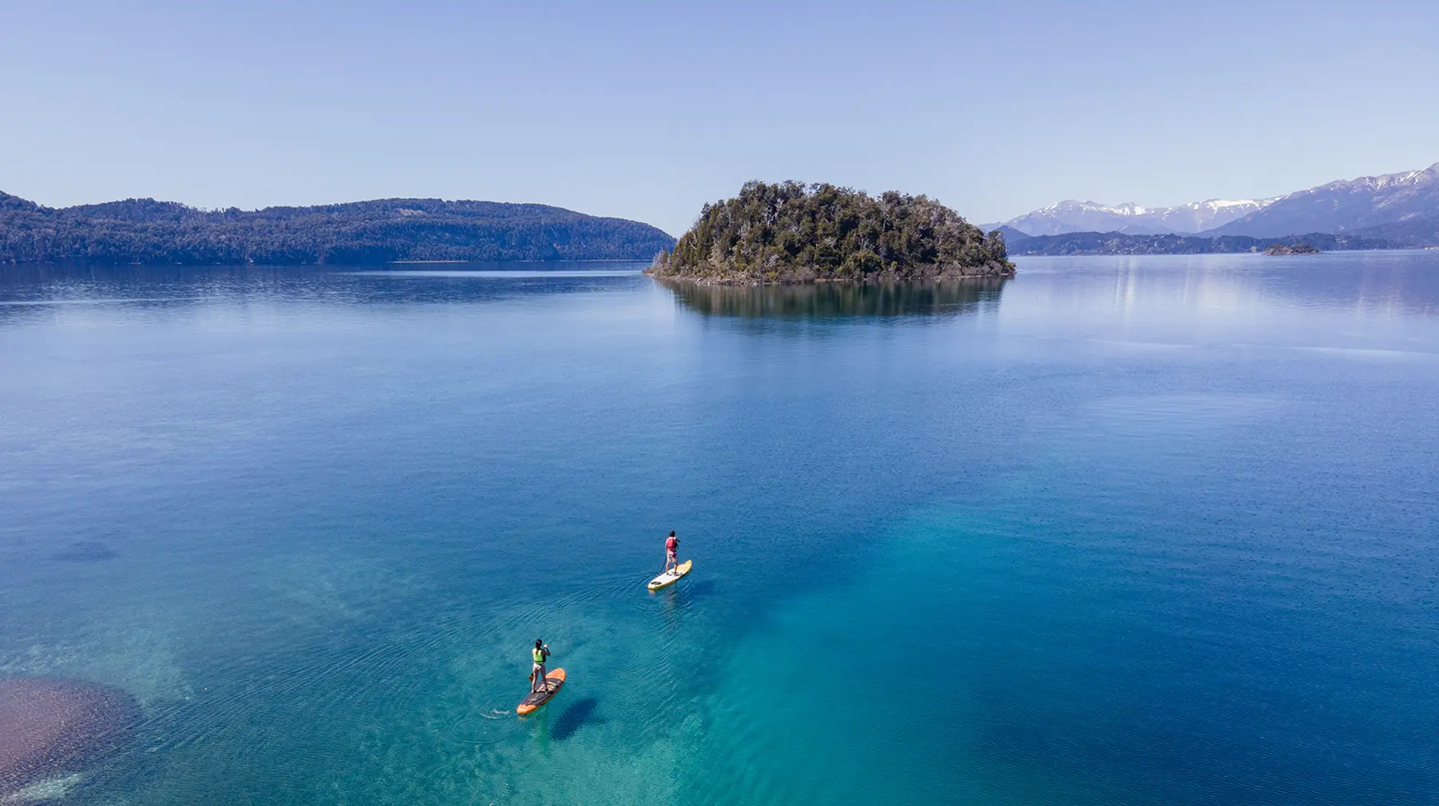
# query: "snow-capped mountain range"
{"type": "Point", "coordinates": [1088, 216]}
{"type": "Point", "coordinates": [1409, 199]}
{"type": "Point", "coordinates": [1349, 205]}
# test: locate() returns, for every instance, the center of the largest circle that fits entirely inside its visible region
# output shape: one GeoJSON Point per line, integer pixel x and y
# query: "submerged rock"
{"type": "Point", "coordinates": [48, 727]}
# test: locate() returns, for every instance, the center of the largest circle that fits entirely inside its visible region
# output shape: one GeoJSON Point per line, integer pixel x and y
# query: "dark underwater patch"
{"type": "Point", "coordinates": [85, 551]}
{"type": "Point", "coordinates": [573, 718]}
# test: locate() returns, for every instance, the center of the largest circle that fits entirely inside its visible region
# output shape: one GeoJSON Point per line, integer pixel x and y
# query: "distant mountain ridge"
{"type": "Point", "coordinates": [1346, 206]}
{"type": "Point", "coordinates": [1399, 210]}
{"type": "Point", "coordinates": [367, 232]}
{"type": "Point", "coordinates": [1129, 218]}
{"type": "Point", "coordinates": [1117, 243]}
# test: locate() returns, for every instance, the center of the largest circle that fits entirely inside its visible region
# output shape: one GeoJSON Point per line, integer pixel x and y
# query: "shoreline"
{"type": "Point", "coordinates": [880, 279]}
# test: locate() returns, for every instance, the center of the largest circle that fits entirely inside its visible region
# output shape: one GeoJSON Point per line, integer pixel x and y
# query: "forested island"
{"type": "Point", "coordinates": [794, 233]}
{"type": "Point", "coordinates": [1292, 249]}
{"type": "Point", "coordinates": [145, 231]}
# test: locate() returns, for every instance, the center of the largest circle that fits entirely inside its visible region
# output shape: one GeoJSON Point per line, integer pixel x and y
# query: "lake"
{"type": "Point", "coordinates": [1121, 530]}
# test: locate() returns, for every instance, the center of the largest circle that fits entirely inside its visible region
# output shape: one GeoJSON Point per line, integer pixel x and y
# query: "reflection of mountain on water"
{"type": "Point", "coordinates": [1383, 282]}
{"type": "Point", "coordinates": [834, 300]}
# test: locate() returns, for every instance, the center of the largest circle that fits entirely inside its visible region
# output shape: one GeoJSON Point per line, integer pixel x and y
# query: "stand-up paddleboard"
{"type": "Point", "coordinates": [533, 700]}
{"type": "Point", "coordinates": [671, 577]}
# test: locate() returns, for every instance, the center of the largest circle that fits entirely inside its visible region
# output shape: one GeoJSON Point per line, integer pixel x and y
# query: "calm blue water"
{"type": "Point", "coordinates": [1118, 531]}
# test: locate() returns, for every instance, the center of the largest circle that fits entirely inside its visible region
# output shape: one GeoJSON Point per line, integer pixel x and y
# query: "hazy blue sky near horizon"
{"type": "Point", "coordinates": [648, 110]}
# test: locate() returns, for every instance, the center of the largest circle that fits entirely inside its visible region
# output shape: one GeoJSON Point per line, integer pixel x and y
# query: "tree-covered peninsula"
{"type": "Point", "coordinates": [146, 231]}
{"type": "Point", "coordinates": [795, 233]}
{"type": "Point", "coordinates": [1120, 243]}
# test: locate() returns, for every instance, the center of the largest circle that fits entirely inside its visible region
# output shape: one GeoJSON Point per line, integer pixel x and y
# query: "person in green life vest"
{"type": "Point", "coordinates": [539, 654]}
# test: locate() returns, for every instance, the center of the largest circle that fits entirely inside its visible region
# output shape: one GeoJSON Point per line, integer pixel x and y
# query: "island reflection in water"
{"type": "Point", "coordinates": [838, 300]}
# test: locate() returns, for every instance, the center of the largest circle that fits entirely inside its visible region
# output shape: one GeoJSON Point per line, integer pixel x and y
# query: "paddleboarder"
{"type": "Point", "coordinates": [539, 654]}
{"type": "Point", "coordinates": [672, 548]}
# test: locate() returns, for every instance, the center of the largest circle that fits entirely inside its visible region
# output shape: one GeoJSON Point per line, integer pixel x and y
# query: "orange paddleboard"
{"type": "Point", "coordinates": [533, 700]}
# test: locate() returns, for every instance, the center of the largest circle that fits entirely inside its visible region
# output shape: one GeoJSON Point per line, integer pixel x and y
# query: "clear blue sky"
{"type": "Point", "coordinates": [648, 110]}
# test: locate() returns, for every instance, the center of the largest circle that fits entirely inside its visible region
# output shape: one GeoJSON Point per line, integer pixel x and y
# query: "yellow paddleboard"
{"type": "Point", "coordinates": [671, 577]}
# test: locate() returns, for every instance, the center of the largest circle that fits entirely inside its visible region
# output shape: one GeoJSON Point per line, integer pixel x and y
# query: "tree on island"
{"type": "Point", "coordinates": [796, 233]}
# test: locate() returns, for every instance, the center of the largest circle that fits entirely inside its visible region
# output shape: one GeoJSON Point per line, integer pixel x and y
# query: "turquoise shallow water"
{"type": "Point", "coordinates": [1119, 531]}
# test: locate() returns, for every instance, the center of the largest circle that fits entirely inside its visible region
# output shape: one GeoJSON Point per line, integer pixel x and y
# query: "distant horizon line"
{"type": "Point", "coordinates": [983, 221]}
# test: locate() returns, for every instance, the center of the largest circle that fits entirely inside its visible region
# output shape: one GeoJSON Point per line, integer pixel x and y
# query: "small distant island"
{"type": "Point", "coordinates": [790, 233]}
{"type": "Point", "coordinates": [1292, 249]}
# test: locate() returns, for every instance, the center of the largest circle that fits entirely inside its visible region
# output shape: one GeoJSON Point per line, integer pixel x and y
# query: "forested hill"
{"type": "Point", "coordinates": [1118, 243]}
{"type": "Point", "coordinates": [794, 233]}
{"type": "Point", "coordinates": [152, 232]}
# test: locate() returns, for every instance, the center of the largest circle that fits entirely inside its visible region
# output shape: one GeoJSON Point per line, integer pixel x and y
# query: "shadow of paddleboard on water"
{"type": "Point", "coordinates": [85, 551]}
{"type": "Point", "coordinates": [702, 587]}
{"type": "Point", "coordinates": [573, 718]}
